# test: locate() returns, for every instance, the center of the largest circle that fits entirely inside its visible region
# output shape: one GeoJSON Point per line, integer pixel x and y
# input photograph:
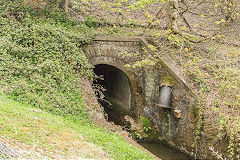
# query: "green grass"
{"type": "Point", "coordinates": [24, 123]}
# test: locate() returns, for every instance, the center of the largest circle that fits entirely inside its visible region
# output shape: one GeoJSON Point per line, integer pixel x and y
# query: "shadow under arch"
{"type": "Point", "coordinates": [117, 93]}
{"type": "Point", "coordinates": [134, 98]}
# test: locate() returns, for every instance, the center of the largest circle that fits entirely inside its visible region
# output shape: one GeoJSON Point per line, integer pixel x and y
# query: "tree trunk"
{"type": "Point", "coordinates": [63, 4]}
{"type": "Point", "coordinates": [171, 17]}
{"type": "Point", "coordinates": [66, 5]}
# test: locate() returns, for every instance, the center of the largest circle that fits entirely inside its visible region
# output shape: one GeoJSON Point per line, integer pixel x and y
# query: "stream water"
{"type": "Point", "coordinates": [164, 152]}
{"type": "Point", "coordinates": [161, 150]}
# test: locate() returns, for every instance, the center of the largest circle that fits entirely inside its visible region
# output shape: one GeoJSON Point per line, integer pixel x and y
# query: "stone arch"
{"type": "Point", "coordinates": [135, 89]}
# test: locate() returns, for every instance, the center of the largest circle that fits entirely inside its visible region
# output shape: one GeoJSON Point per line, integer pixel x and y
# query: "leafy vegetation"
{"type": "Point", "coordinates": [41, 65]}
{"type": "Point", "coordinates": [38, 41]}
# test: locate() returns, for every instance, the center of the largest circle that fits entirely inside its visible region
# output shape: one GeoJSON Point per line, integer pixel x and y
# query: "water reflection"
{"type": "Point", "coordinates": [164, 152]}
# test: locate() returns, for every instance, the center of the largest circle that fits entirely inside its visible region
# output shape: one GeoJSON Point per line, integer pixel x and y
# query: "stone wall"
{"type": "Point", "coordinates": [179, 132]}
{"type": "Point", "coordinates": [145, 85]}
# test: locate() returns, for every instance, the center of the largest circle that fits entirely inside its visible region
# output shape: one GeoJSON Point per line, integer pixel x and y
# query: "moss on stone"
{"type": "Point", "coordinates": [165, 116]}
{"type": "Point", "coordinates": [145, 121]}
{"type": "Point", "coordinates": [163, 64]}
{"type": "Point", "coordinates": [168, 80]}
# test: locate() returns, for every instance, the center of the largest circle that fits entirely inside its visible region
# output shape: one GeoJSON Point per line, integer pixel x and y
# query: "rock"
{"type": "Point", "coordinates": [133, 125]}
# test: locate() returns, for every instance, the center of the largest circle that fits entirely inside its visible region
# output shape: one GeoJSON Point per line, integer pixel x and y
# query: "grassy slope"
{"type": "Point", "coordinates": [62, 136]}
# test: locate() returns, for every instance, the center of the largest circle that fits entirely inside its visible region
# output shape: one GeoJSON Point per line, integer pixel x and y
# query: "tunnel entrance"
{"type": "Point", "coordinates": [117, 93]}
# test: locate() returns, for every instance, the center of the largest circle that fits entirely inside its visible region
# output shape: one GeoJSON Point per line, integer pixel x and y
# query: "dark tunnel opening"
{"type": "Point", "coordinates": [117, 93]}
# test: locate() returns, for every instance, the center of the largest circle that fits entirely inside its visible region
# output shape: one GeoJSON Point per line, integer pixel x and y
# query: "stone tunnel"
{"type": "Point", "coordinates": [117, 92]}
{"type": "Point", "coordinates": [136, 92]}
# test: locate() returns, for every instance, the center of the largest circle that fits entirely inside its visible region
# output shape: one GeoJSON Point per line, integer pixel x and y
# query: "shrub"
{"type": "Point", "coordinates": [41, 62]}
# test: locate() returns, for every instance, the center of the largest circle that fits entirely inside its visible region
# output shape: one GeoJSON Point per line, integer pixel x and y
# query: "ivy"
{"type": "Point", "coordinates": [41, 61]}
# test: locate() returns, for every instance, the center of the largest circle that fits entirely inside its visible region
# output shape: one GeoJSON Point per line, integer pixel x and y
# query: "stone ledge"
{"type": "Point", "coordinates": [116, 39]}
